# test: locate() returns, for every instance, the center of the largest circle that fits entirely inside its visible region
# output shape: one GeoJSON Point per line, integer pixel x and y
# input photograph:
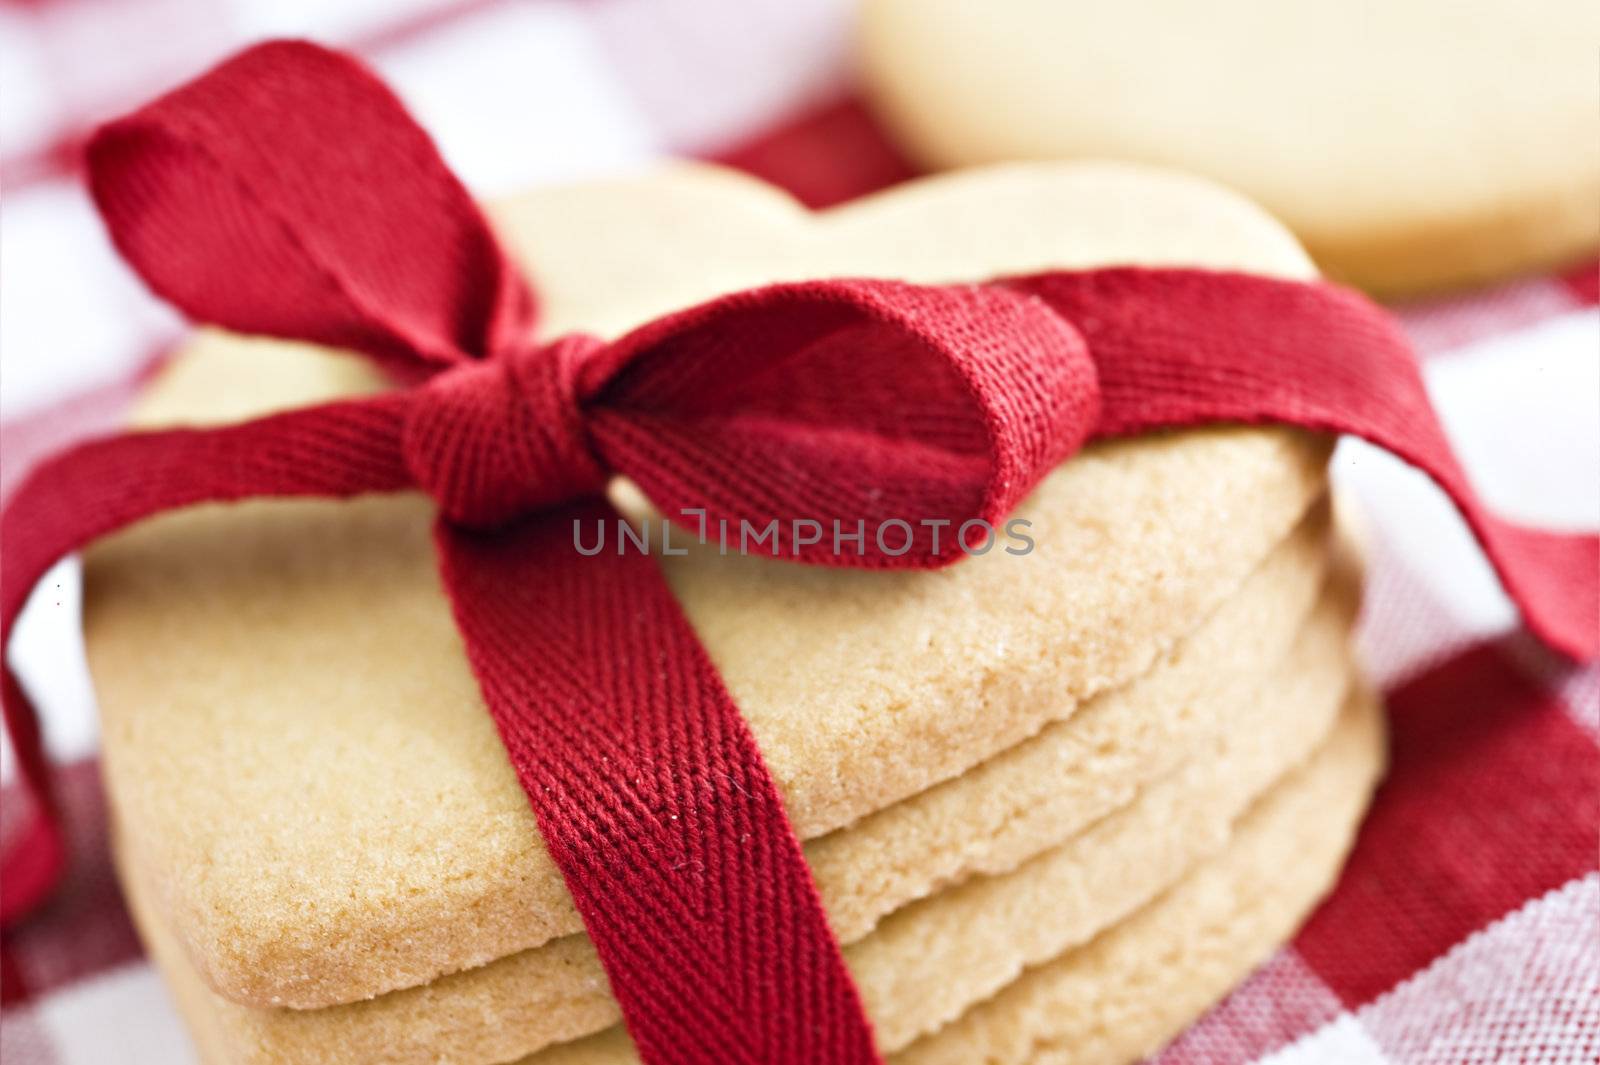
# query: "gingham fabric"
{"type": "Point", "coordinates": [1467, 926]}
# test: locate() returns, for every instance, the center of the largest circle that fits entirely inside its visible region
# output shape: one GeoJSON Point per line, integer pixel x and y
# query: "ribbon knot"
{"type": "Point", "coordinates": [497, 439]}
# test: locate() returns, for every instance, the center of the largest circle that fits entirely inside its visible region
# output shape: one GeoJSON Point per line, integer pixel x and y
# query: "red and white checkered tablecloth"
{"type": "Point", "coordinates": [1467, 926]}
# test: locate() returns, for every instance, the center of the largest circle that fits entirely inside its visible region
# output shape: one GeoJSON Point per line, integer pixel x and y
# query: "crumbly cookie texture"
{"type": "Point", "coordinates": [1142, 982]}
{"type": "Point", "coordinates": [1140, 781]}
{"type": "Point", "coordinates": [923, 966]}
{"type": "Point", "coordinates": [1412, 145]}
{"type": "Point", "coordinates": [294, 743]}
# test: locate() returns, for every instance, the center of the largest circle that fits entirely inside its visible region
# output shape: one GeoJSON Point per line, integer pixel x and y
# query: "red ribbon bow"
{"type": "Point", "coordinates": [288, 193]}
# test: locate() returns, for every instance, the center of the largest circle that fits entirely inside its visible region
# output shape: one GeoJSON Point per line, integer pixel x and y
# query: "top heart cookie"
{"type": "Point", "coordinates": [1410, 145]}
{"type": "Point", "coordinates": [319, 801]}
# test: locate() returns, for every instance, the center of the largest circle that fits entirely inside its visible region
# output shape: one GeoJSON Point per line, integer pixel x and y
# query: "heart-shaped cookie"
{"type": "Point", "coordinates": [1086, 823]}
{"type": "Point", "coordinates": [1411, 144]}
{"type": "Point", "coordinates": [367, 835]}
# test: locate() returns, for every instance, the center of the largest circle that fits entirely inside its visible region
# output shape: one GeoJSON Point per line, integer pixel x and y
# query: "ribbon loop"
{"type": "Point", "coordinates": [237, 203]}
{"type": "Point", "coordinates": [497, 440]}
{"type": "Point", "coordinates": [1316, 356]}
{"type": "Point", "coordinates": [847, 403]}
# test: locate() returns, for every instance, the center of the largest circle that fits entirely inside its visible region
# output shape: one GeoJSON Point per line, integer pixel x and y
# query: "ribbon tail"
{"type": "Point", "coordinates": [339, 449]}
{"type": "Point", "coordinates": [35, 857]}
{"type": "Point", "coordinates": [652, 797]}
{"type": "Point", "coordinates": [1178, 348]}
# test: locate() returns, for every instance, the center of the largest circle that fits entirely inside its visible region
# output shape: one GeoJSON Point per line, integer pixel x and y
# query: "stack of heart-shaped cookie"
{"type": "Point", "coordinates": [1055, 803]}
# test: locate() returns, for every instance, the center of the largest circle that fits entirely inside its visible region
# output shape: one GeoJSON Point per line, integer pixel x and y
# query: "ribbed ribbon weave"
{"type": "Point", "coordinates": [288, 193]}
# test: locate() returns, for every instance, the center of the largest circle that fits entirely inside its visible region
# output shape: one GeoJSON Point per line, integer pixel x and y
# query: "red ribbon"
{"type": "Point", "coordinates": [288, 193]}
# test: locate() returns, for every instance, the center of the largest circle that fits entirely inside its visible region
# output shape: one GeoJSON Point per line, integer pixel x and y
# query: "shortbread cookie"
{"type": "Point", "coordinates": [1031, 796]}
{"type": "Point", "coordinates": [1158, 795]}
{"type": "Point", "coordinates": [1411, 144]}
{"type": "Point", "coordinates": [922, 966]}
{"type": "Point", "coordinates": [300, 754]}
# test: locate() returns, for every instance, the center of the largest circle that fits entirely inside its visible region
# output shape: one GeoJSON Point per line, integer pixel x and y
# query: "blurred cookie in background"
{"type": "Point", "coordinates": [1412, 145]}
